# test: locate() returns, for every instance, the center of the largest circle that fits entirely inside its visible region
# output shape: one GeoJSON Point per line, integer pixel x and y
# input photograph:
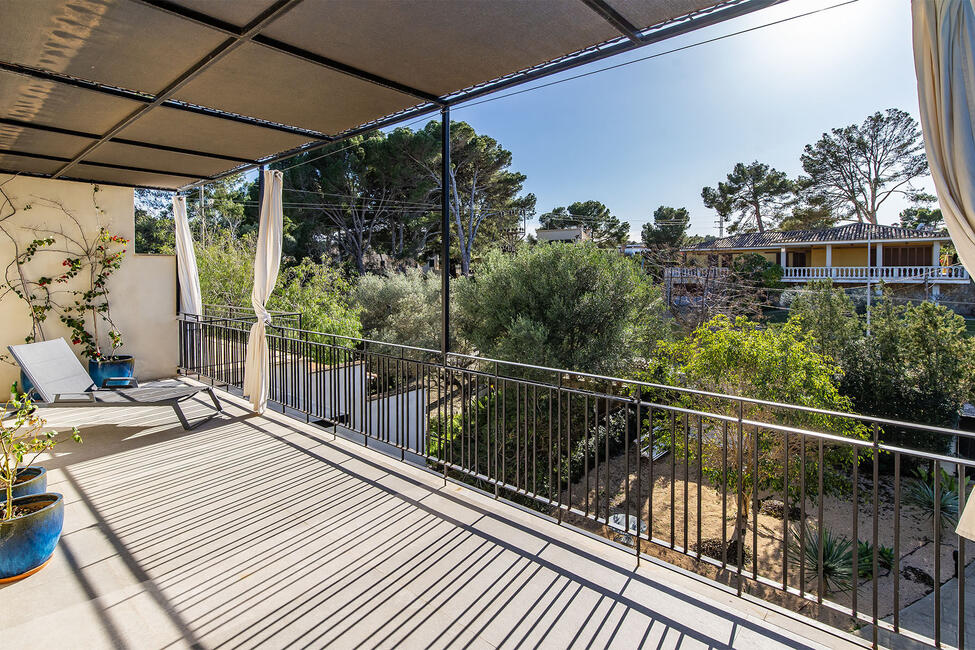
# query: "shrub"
{"type": "Point", "coordinates": [592, 447]}
{"type": "Point", "coordinates": [318, 291]}
{"type": "Point", "coordinates": [226, 267]}
{"type": "Point", "coordinates": [917, 365]}
{"type": "Point", "coordinates": [885, 558]}
{"type": "Point", "coordinates": [321, 295]}
{"type": "Point", "coordinates": [401, 308]}
{"type": "Point", "coordinates": [828, 317]}
{"type": "Point", "coordinates": [758, 271]}
{"type": "Point", "coordinates": [561, 305]}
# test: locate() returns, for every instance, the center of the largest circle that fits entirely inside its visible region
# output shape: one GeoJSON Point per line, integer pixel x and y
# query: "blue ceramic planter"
{"type": "Point", "coordinates": [26, 385]}
{"type": "Point", "coordinates": [35, 484]}
{"type": "Point", "coordinates": [122, 365]}
{"type": "Point", "coordinates": [27, 542]}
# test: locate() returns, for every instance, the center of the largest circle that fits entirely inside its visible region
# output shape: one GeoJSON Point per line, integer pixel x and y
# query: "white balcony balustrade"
{"type": "Point", "coordinates": [876, 273]}
{"type": "Point", "coordinates": [862, 274]}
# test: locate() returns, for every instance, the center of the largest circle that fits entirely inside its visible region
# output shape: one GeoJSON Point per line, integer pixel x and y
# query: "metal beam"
{"type": "Point", "coordinates": [286, 48]}
{"type": "Point", "coordinates": [135, 143]}
{"type": "Point", "coordinates": [615, 19]}
{"type": "Point", "coordinates": [273, 12]}
{"type": "Point", "coordinates": [41, 156]}
{"type": "Point", "coordinates": [88, 180]}
{"type": "Point", "coordinates": [47, 75]}
{"type": "Point", "coordinates": [445, 232]}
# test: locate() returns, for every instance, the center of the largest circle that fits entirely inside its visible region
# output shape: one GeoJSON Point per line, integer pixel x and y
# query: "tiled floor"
{"type": "Point", "coordinates": [262, 532]}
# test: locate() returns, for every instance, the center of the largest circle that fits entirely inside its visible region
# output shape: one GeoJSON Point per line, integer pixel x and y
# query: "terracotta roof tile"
{"type": "Point", "coordinates": [849, 232]}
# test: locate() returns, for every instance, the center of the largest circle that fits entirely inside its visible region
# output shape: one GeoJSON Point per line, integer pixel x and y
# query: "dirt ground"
{"type": "Point", "coordinates": [705, 519]}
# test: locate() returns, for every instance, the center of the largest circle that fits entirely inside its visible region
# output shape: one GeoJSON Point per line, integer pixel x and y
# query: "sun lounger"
{"type": "Point", "coordinates": [61, 381]}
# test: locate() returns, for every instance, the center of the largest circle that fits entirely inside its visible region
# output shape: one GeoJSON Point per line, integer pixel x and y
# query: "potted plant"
{"type": "Point", "coordinates": [30, 526]}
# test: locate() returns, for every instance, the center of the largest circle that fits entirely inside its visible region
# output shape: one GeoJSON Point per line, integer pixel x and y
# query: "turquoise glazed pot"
{"type": "Point", "coordinates": [35, 484]}
{"type": "Point", "coordinates": [27, 541]}
{"type": "Point", "coordinates": [122, 365]}
{"type": "Point", "coordinates": [26, 385]}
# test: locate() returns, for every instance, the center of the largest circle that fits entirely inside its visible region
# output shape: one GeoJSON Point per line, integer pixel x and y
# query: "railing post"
{"type": "Point", "coordinates": [445, 233]}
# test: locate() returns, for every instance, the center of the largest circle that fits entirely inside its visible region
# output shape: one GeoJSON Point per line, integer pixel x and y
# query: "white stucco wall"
{"type": "Point", "coordinates": [142, 291]}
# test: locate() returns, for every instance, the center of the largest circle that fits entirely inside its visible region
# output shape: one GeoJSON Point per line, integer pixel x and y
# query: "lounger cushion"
{"type": "Point", "coordinates": [52, 367]}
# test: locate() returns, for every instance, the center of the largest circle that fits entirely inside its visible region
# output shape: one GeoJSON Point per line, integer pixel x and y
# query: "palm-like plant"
{"type": "Point", "coordinates": [837, 557]}
{"type": "Point", "coordinates": [921, 494]}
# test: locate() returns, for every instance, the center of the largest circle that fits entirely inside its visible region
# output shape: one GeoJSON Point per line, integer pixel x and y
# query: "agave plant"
{"type": "Point", "coordinates": [920, 493]}
{"type": "Point", "coordinates": [885, 558]}
{"type": "Point", "coordinates": [837, 557]}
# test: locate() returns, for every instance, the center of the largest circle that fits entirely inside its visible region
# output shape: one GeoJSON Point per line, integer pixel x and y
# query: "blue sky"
{"type": "Point", "coordinates": [655, 132]}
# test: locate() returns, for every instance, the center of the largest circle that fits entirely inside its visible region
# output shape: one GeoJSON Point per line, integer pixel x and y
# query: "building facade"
{"type": "Point", "coordinates": [854, 254]}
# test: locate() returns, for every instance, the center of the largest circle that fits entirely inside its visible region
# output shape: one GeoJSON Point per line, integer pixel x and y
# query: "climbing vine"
{"type": "Point", "coordinates": [91, 258]}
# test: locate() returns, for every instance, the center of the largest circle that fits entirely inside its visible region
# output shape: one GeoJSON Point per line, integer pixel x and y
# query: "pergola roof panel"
{"type": "Point", "coordinates": [36, 141]}
{"type": "Point", "coordinates": [277, 87]}
{"type": "Point", "coordinates": [13, 163]}
{"type": "Point", "coordinates": [128, 155]}
{"type": "Point", "coordinates": [175, 128]}
{"type": "Point", "coordinates": [114, 42]}
{"type": "Point", "coordinates": [52, 104]}
{"type": "Point", "coordinates": [450, 45]}
{"type": "Point", "coordinates": [91, 172]}
{"type": "Point", "coordinates": [235, 12]}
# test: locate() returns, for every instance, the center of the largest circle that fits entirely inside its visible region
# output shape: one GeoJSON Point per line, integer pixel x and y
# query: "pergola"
{"type": "Point", "coordinates": [169, 94]}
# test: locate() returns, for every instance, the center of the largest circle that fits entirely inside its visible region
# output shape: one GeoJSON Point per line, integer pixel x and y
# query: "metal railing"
{"type": "Point", "coordinates": [684, 273]}
{"type": "Point", "coordinates": [235, 313]}
{"type": "Point", "coordinates": [674, 472]}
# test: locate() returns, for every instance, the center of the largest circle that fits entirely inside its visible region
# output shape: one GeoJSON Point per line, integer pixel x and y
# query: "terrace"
{"type": "Point", "coordinates": [174, 540]}
{"type": "Point", "coordinates": [393, 495]}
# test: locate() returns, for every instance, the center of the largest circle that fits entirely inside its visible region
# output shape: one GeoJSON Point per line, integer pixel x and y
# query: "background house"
{"type": "Point", "coordinates": [571, 235]}
{"type": "Point", "coordinates": [896, 255]}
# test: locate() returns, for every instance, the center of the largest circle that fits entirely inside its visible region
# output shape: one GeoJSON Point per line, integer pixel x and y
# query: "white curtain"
{"type": "Point", "coordinates": [190, 300]}
{"type": "Point", "coordinates": [944, 56]}
{"type": "Point", "coordinates": [266, 263]}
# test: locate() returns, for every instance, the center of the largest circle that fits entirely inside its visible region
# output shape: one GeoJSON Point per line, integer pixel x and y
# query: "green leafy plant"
{"type": "Point", "coordinates": [917, 365]}
{"type": "Point", "coordinates": [562, 306]}
{"type": "Point", "coordinates": [22, 439]}
{"type": "Point", "coordinates": [101, 257]}
{"type": "Point", "coordinates": [921, 494]}
{"type": "Point", "coordinates": [401, 308]}
{"type": "Point", "coordinates": [88, 259]}
{"type": "Point", "coordinates": [885, 558]}
{"type": "Point", "coordinates": [17, 280]}
{"type": "Point", "coordinates": [837, 557]}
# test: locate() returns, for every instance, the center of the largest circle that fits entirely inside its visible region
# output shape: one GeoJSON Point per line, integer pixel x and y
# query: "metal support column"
{"type": "Point", "coordinates": [445, 232]}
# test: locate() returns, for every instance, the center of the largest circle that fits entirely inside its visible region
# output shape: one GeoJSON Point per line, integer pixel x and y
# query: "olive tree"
{"type": "Point", "coordinates": [568, 306]}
